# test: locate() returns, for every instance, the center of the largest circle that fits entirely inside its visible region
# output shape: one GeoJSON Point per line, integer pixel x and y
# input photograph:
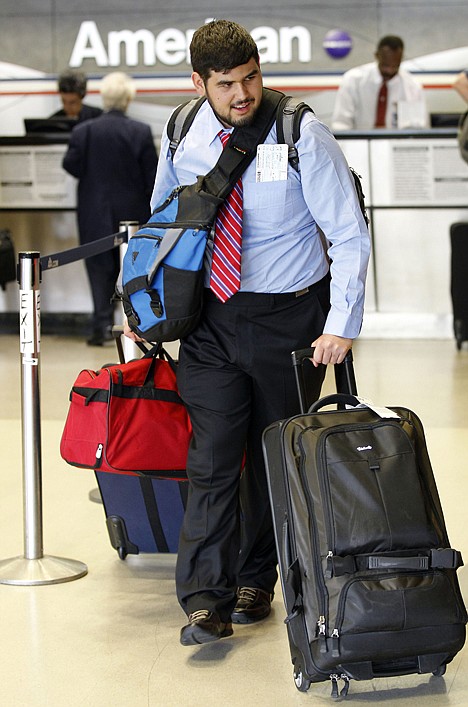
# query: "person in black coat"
{"type": "Point", "coordinates": [72, 88]}
{"type": "Point", "coordinates": [115, 160]}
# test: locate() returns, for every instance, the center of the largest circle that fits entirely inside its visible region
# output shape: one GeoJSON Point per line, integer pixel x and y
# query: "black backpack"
{"type": "Point", "coordinates": [288, 129]}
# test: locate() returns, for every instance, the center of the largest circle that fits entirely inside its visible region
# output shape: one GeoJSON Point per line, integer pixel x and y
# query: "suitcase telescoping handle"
{"type": "Point", "coordinates": [344, 375]}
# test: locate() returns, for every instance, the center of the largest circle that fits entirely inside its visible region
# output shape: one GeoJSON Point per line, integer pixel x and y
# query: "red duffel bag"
{"type": "Point", "coordinates": [128, 418]}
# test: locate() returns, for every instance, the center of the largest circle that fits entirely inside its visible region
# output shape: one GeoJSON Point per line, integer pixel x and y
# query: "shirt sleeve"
{"type": "Point", "coordinates": [166, 178]}
{"type": "Point", "coordinates": [330, 194]}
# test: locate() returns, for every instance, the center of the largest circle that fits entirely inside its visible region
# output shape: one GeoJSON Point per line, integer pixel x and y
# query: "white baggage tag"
{"type": "Point", "coordinates": [380, 411]}
{"type": "Point", "coordinates": [272, 163]}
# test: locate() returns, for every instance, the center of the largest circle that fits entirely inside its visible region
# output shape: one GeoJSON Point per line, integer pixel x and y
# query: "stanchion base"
{"type": "Point", "coordinates": [95, 496]}
{"type": "Point", "coordinates": [45, 570]}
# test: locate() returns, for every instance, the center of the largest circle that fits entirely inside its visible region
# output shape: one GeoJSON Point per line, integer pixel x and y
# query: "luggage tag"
{"type": "Point", "coordinates": [380, 411]}
{"type": "Point", "coordinates": [271, 163]}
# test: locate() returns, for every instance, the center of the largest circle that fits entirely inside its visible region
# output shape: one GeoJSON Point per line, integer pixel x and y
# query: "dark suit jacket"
{"type": "Point", "coordinates": [114, 159]}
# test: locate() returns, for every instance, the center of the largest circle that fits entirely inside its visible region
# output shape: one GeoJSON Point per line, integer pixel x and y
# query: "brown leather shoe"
{"type": "Point", "coordinates": [204, 626]}
{"type": "Point", "coordinates": [252, 605]}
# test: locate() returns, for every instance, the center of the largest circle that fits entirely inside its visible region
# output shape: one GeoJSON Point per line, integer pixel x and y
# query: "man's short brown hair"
{"type": "Point", "coordinates": [220, 46]}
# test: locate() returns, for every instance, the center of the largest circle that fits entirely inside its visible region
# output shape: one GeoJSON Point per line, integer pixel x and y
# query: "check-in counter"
{"type": "Point", "coordinates": [416, 185]}
{"type": "Point", "coordinates": [415, 182]}
{"type": "Point", "coordinates": [38, 206]}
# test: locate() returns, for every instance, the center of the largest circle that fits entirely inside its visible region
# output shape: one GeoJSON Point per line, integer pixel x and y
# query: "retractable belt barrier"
{"type": "Point", "coordinates": [50, 262]}
{"type": "Point", "coordinates": [34, 567]}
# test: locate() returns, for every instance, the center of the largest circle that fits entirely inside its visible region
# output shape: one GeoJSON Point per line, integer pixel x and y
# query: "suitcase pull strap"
{"type": "Point", "coordinates": [440, 558]}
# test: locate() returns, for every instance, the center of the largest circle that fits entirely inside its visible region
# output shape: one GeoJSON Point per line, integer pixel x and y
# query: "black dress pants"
{"type": "Point", "coordinates": [103, 271]}
{"type": "Point", "coordinates": [235, 376]}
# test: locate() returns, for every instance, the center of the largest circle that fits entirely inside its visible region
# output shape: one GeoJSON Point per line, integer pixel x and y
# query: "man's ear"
{"type": "Point", "coordinates": [198, 83]}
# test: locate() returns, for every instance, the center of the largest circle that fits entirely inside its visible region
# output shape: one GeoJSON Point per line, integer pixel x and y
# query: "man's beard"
{"type": "Point", "coordinates": [227, 120]}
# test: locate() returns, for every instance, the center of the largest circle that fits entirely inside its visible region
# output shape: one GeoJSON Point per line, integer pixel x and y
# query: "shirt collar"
{"type": "Point", "coordinates": [213, 125]}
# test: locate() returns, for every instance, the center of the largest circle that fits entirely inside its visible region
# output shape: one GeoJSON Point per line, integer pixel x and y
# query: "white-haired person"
{"type": "Point", "coordinates": [114, 158]}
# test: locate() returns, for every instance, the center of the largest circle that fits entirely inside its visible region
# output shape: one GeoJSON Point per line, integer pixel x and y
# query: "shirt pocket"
{"type": "Point", "coordinates": [268, 199]}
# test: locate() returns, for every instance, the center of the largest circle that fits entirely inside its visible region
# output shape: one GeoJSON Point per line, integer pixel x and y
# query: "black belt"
{"type": "Point", "coordinates": [267, 298]}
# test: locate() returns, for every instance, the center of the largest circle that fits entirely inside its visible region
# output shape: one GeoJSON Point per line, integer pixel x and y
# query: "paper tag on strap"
{"type": "Point", "coordinates": [380, 411]}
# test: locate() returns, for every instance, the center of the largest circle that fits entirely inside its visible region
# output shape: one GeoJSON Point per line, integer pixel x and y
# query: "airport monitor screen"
{"type": "Point", "coordinates": [49, 125]}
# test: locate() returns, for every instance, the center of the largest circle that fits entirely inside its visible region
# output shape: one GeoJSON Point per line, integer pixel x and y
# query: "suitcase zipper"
{"type": "Point", "coordinates": [176, 224]}
{"type": "Point", "coordinates": [324, 480]}
{"type": "Point", "coordinates": [321, 593]}
{"type": "Point", "coordinates": [99, 449]}
{"type": "Point", "coordinates": [334, 677]}
{"type": "Point", "coordinates": [321, 622]}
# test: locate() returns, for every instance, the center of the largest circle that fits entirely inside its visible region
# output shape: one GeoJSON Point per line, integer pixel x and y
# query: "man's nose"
{"type": "Point", "coordinates": [241, 92]}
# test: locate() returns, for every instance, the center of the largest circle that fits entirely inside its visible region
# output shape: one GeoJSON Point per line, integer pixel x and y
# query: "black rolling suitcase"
{"type": "Point", "coordinates": [459, 281]}
{"type": "Point", "coordinates": [367, 572]}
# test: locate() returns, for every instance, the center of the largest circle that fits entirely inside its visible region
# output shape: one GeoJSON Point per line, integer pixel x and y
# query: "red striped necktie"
{"type": "Point", "coordinates": [227, 246]}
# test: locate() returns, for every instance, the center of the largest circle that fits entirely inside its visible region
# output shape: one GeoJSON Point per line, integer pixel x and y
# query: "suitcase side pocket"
{"type": "Point", "coordinates": [414, 611]}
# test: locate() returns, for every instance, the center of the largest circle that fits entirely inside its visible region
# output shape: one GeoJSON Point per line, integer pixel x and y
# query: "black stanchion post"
{"type": "Point", "coordinates": [33, 567]}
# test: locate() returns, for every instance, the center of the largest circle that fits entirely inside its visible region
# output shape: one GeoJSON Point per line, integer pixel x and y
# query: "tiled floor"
{"type": "Point", "coordinates": [112, 636]}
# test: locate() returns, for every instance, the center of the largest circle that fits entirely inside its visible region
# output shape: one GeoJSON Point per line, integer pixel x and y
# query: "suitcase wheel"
{"type": "Point", "coordinates": [301, 682]}
{"type": "Point", "coordinates": [440, 670]}
{"type": "Point", "coordinates": [119, 537]}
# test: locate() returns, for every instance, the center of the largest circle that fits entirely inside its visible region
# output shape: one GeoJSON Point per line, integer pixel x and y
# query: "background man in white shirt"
{"type": "Point", "coordinates": [356, 105]}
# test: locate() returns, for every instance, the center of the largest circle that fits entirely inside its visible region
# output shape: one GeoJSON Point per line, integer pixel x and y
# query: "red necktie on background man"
{"type": "Point", "coordinates": [381, 110]}
{"type": "Point", "coordinates": [227, 246]}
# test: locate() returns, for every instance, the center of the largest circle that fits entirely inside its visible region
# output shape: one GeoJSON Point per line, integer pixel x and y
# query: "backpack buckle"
{"type": "Point", "coordinates": [155, 303]}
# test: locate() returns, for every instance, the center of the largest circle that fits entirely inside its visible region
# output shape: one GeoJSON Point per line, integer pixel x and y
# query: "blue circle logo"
{"type": "Point", "coordinates": [337, 43]}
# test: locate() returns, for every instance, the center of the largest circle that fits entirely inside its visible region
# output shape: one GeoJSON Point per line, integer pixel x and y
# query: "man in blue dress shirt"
{"type": "Point", "coordinates": [235, 372]}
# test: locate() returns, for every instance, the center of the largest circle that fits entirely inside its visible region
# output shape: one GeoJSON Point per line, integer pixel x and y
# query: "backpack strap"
{"type": "Point", "coordinates": [360, 194]}
{"type": "Point", "coordinates": [288, 122]}
{"type": "Point", "coordinates": [180, 121]}
{"type": "Point", "coordinates": [241, 147]}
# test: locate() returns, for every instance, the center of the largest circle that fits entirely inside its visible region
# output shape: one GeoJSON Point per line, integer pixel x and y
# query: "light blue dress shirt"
{"type": "Point", "coordinates": [281, 246]}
